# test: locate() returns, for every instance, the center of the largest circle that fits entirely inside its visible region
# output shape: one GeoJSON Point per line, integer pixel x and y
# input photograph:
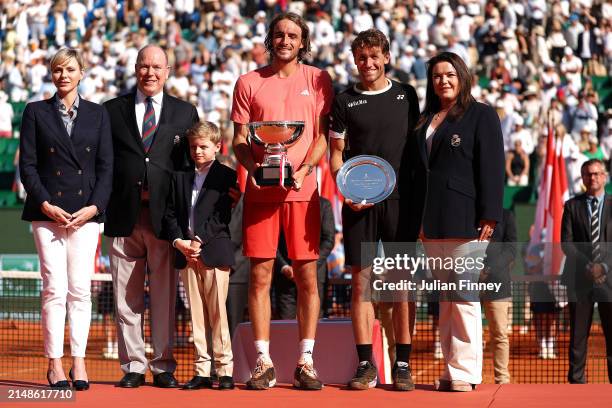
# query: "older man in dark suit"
{"type": "Point", "coordinates": [585, 233]}
{"type": "Point", "coordinates": [148, 128]}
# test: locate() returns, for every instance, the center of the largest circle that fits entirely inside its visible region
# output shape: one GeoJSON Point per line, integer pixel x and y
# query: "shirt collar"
{"type": "Point", "coordinates": [364, 92]}
{"type": "Point", "coordinates": [157, 99]}
{"type": "Point", "coordinates": [598, 197]}
{"type": "Point", "coordinates": [204, 171]}
{"type": "Point", "coordinates": [60, 105]}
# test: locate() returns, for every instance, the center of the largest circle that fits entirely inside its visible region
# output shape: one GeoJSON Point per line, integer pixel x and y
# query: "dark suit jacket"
{"type": "Point", "coordinates": [241, 269]}
{"type": "Point", "coordinates": [70, 172]}
{"type": "Point", "coordinates": [133, 167]}
{"type": "Point", "coordinates": [501, 253]}
{"type": "Point", "coordinates": [212, 215]}
{"type": "Point", "coordinates": [462, 180]}
{"type": "Point", "coordinates": [576, 244]}
{"type": "Point", "coordinates": [326, 244]}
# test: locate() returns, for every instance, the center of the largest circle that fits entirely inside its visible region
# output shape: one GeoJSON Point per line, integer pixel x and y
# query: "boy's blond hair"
{"type": "Point", "coordinates": [204, 130]}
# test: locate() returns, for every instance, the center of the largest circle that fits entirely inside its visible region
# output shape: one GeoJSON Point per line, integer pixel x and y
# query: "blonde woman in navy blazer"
{"type": "Point", "coordinates": [66, 166]}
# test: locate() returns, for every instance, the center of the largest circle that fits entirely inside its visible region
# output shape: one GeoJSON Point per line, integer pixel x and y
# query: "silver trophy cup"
{"type": "Point", "coordinates": [275, 136]}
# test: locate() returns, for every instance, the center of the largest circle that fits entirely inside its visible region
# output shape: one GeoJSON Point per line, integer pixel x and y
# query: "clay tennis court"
{"type": "Point", "coordinates": [22, 357]}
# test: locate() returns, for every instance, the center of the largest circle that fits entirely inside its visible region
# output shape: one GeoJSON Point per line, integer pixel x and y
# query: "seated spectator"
{"type": "Point", "coordinates": [594, 151]}
{"type": "Point", "coordinates": [6, 116]}
{"type": "Point", "coordinates": [522, 134]}
{"type": "Point", "coordinates": [517, 165]}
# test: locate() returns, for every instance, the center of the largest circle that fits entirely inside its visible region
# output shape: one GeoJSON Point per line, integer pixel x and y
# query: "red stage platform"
{"type": "Point", "coordinates": [486, 396]}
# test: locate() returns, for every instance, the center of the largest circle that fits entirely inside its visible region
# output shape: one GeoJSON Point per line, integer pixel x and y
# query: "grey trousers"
{"type": "Point", "coordinates": [129, 259]}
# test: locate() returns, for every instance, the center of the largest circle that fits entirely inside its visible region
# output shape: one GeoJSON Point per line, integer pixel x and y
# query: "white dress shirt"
{"type": "Point", "coordinates": [141, 107]}
{"type": "Point", "coordinates": [198, 182]}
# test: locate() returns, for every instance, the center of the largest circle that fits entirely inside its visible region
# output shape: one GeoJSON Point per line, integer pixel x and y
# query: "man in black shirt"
{"type": "Point", "coordinates": [374, 117]}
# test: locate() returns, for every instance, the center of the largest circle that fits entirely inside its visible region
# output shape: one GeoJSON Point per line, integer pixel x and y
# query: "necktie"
{"type": "Point", "coordinates": [596, 246]}
{"type": "Point", "coordinates": [148, 125]}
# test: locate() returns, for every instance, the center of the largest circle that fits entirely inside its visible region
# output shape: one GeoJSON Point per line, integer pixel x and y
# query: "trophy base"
{"type": "Point", "coordinates": [270, 175]}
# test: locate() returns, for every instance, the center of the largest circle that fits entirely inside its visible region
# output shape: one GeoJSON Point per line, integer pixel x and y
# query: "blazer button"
{"type": "Point", "coordinates": [80, 172]}
{"type": "Point", "coordinates": [139, 183]}
{"type": "Point", "coordinates": [80, 192]}
{"type": "Point", "coordinates": [59, 173]}
{"type": "Point", "coordinates": [59, 193]}
{"type": "Point", "coordinates": [147, 159]}
{"type": "Point", "coordinates": [88, 149]}
{"type": "Point", "coordinates": [51, 150]}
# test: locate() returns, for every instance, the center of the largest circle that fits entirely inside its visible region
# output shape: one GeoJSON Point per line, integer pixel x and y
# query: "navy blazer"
{"type": "Point", "coordinates": [133, 167]}
{"type": "Point", "coordinates": [70, 172]}
{"type": "Point", "coordinates": [461, 181]}
{"type": "Point", "coordinates": [212, 215]}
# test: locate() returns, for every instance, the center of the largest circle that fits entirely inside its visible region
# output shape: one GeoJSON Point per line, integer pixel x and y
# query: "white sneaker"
{"type": "Point", "coordinates": [543, 354]}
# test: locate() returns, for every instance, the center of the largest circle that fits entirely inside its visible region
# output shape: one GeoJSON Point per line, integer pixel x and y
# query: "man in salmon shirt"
{"type": "Point", "coordinates": [285, 90]}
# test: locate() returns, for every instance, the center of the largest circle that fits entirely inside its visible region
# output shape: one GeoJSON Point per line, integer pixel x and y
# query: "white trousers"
{"type": "Point", "coordinates": [460, 321]}
{"type": "Point", "coordinates": [66, 265]}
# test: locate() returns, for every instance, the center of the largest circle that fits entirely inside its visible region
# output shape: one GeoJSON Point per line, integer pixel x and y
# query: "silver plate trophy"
{"type": "Point", "coordinates": [366, 179]}
{"type": "Point", "coordinates": [275, 136]}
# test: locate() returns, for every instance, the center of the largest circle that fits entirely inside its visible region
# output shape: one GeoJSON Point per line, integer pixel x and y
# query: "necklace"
{"type": "Point", "coordinates": [439, 113]}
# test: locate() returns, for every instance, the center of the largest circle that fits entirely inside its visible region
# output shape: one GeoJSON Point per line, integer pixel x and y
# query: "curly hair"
{"type": "Point", "coordinates": [297, 20]}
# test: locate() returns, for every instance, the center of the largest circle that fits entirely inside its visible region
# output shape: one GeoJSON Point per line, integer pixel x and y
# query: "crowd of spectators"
{"type": "Point", "coordinates": [531, 59]}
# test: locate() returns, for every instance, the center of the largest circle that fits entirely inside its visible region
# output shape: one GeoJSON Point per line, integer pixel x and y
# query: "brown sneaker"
{"type": "Point", "coordinates": [263, 376]}
{"type": "Point", "coordinates": [305, 378]}
{"type": "Point", "coordinates": [365, 377]}
{"type": "Point", "coordinates": [402, 377]}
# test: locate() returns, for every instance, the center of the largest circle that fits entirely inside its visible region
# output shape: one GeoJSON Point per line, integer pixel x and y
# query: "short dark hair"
{"type": "Point", "coordinates": [369, 39]}
{"type": "Point", "coordinates": [591, 162]}
{"type": "Point", "coordinates": [464, 98]}
{"type": "Point", "coordinates": [295, 18]}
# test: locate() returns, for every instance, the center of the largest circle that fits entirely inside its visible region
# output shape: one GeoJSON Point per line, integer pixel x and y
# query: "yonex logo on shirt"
{"type": "Point", "coordinates": [400, 97]}
{"type": "Point", "coordinates": [305, 92]}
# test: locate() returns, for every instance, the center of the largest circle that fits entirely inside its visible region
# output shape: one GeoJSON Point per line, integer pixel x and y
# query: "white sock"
{"type": "Point", "coordinates": [109, 344]}
{"type": "Point", "coordinates": [550, 343]}
{"type": "Point", "coordinates": [543, 343]}
{"type": "Point", "coordinates": [306, 350]}
{"type": "Point", "coordinates": [263, 349]}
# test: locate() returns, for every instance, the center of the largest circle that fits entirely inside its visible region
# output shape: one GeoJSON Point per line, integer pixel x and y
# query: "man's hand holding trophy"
{"type": "Point", "coordinates": [276, 169]}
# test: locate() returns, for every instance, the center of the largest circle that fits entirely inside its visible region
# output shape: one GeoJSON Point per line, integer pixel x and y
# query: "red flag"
{"type": "Point", "coordinates": [553, 192]}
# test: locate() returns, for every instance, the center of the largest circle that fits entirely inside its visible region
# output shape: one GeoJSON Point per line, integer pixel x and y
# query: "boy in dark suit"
{"type": "Point", "coordinates": [196, 220]}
